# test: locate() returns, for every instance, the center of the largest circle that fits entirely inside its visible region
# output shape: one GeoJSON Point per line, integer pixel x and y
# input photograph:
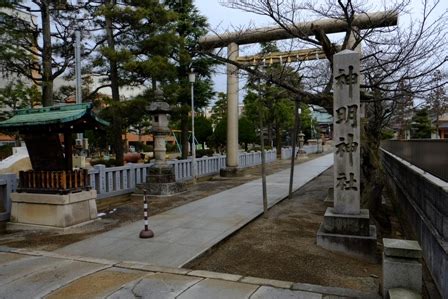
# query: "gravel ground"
{"type": "Point", "coordinates": [283, 246]}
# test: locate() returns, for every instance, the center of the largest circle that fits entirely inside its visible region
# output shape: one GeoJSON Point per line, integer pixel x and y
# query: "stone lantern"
{"type": "Point", "coordinates": [159, 111]}
{"type": "Point", "coordinates": [161, 179]}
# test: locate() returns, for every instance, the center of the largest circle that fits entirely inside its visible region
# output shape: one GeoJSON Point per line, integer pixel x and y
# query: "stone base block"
{"type": "Point", "coordinates": [11, 227]}
{"type": "Point", "coordinates": [165, 189]}
{"type": "Point", "coordinates": [161, 174]}
{"type": "Point", "coordinates": [301, 152]}
{"type": "Point", "coordinates": [161, 180]}
{"type": "Point", "coordinates": [52, 211]}
{"type": "Point", "coordinates": [407, 249]}
{"type": "Point", "coordinates": [401, 273]}
{"type": "Point", "coordinates": [347, 224]}
{"type": "Point", "coordinates": [363, 247]}
{"type": "Point", "coordinates": [230, 172]}
{"type": "Point", "coordinates": [329, 199]}
{"type": "Point", "coordinates": [403, 294]}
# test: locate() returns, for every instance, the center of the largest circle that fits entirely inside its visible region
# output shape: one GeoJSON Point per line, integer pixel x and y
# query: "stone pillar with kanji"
{"type": "Point", "coordinates": [346, 227]}
{"type": "Point", "coordinates": [346, 133]}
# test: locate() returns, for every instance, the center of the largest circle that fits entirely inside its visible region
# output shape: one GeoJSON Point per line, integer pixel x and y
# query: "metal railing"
{"type": "Point", "coordinates": [430, 155]}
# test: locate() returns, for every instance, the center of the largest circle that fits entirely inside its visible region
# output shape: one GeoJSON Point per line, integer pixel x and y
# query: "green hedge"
{"type": "Point", "coordinates": [5, 151]}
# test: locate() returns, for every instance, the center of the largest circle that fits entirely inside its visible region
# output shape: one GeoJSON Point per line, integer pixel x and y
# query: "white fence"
{"type": "Point", "coordinates": [115, 181]}
{"type": "Point", "coordinates": [121, 180]}
{"type": "Point", "coordinates": [309, 149]}
{"type": "Point", "coordinates": [8, 184]}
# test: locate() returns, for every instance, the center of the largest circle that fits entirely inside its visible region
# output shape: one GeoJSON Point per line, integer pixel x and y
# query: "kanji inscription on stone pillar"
{"type": "Point", "coordinates": [346, 133]}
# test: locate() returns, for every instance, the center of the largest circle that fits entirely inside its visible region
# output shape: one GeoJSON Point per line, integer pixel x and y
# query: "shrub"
{"type": "Point", "coordinates": [171, 147]}
{"type": "Point", "coordinates": [108, 163]}
{"type": "Point", "coordinates": [204, 152]}
{"type": "Point", "coordinates": [5, 151]}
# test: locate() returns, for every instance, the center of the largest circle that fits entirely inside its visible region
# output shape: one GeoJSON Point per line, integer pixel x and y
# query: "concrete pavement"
{"type": "Point", "coordinates": [189, 229]}
{"type": "Point", "coordinates": [185, 232]}
{"type": "Point", "coordinates": [39, 274]}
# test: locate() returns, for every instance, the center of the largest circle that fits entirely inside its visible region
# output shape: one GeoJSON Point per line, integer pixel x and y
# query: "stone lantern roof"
{"type": "Point", "coordinates": [159, 106]}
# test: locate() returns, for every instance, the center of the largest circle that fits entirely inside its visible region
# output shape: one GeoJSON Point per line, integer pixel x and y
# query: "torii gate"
{"type": "Point", "coordinates": [232, 40]}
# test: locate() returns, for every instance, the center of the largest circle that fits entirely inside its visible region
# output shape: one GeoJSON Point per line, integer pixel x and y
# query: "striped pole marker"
{"type": "Point", "coordinates": [146, 233]}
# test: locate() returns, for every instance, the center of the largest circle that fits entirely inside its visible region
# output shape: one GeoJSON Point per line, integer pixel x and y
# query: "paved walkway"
{"type": "Point", "coordinates": [185, 232]}
{"type": "Point", "coordinates": [38, 274]}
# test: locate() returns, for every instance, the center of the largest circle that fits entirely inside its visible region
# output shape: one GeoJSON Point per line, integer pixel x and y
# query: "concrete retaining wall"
{"type": "Point", "coordinates": [423, 200]}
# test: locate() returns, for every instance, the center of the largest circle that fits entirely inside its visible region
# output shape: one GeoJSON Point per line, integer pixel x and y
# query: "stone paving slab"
{"type": "Point", "coordinates": [6, 257]}
{"type": "Point", "coordinates": [185, 232]}
{"type": "Point", "coordinates": [40, 284]}
{"type": "Point", "coordinates": [45, 279]}
{"type": "Point", "coordinates": [17, 269]}
{"type": "Point", "coordinates": [270, 292]}
{"type": "Point", "coordinates": [218, 289]}
{"type": "Point", "coordinates": [157, 285]}
{"type": "Point", "coordinates": [97, 285]}
{"type": "Point", "coordinates": [54, 276]}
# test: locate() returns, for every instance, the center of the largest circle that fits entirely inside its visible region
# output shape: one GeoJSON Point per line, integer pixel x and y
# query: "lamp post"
{"type": "Point", "coordinates": [192, 79]}
{"type": "Point", "coordinates": [78, 73]}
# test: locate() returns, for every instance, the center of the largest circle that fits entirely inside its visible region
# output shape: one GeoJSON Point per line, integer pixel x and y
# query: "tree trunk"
{"type": "Point", "coordinates": [278, 137]}
{"type": "Point", "coordinates": [437, 125]}
{"type": "Point", "coordinates": [47, 72]}
{"type": "Point", "coordinates": [263, 166]}
{"type": "Point", "coordinates": [372, 176]}
{"type": "Point", "coordinates": [270, 135]}
{"type": "Point", "coordinates": [113, 76]}
{"type": "Point", "coordinates": [184, 136]}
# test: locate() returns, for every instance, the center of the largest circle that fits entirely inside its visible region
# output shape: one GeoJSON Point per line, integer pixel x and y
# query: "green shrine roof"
{"type": "Point", "coordinates": [53, 115]}
{"type": "Point", "coordinates": [321, 115]}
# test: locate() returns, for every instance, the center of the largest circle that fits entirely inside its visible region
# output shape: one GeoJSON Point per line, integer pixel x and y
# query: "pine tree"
{"type": "Point", "coordinates": [132, 50]}
{"type": "Point", "coordinates": [421, 126]}
{"type": "Point", "coordinates": [189, 26]}
{"type": "Point", "coordinates": [39, 50]}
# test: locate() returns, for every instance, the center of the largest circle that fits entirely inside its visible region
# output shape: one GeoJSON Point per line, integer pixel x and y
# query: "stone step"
{"type": "Point", "coordinates": [403, 294]}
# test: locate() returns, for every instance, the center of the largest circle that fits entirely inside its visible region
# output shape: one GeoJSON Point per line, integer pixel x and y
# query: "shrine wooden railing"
{"type": "Point", "coordinates": [61, 182]}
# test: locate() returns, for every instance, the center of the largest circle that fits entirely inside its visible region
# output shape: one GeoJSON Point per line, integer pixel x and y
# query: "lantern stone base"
{"type": "Point", "coordinates": [52, 211]}
{"type": "Point", "coordinates": [161, 180]}
{"type": "Point", "coordinates": [349, 234]}
{"type": "Point", "coordinates": [231, 172]}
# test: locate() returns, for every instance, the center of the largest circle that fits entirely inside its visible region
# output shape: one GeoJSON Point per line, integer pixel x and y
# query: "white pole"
{"type": "Point", "coordinates": [193, 144]}
{"type": "Point", "coordinates": [78, 71]}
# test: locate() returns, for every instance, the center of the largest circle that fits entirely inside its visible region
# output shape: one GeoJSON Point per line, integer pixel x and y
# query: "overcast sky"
{"type": "Point", "coordinates": [221, 19]}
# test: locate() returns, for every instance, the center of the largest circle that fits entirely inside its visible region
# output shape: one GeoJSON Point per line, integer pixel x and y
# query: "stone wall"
{"type": "Point", "coordinates": [423, 201]}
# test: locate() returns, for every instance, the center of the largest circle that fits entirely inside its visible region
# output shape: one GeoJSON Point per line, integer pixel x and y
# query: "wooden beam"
{"type": "Point", "coordinates": [282, 57]}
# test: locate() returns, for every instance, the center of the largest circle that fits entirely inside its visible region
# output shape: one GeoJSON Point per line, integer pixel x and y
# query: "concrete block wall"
{"type": "Point", "coordinates": [423, 200]}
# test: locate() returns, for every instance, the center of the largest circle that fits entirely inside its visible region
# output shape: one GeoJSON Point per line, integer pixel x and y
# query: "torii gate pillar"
{"type": "Point", "coordinates": [232, 113]}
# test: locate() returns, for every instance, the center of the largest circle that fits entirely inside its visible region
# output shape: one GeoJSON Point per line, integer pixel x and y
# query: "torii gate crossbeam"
{"type": "Point", "coordinates": [232, 40]}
